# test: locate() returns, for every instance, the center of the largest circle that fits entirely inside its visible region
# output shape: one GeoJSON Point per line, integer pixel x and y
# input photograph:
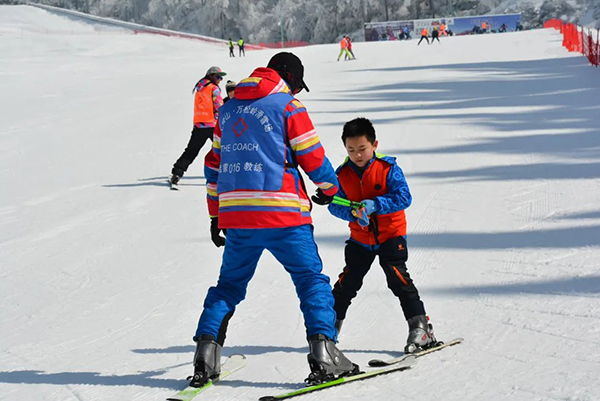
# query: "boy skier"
{"type": "Point", "coordinates": [378, 183]}
{"type": "Point", "coordinates": [255, 192]}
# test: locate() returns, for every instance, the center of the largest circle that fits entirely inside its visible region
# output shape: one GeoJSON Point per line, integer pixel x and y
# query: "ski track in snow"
{"type": "Point", "coordinates": [104, 269]}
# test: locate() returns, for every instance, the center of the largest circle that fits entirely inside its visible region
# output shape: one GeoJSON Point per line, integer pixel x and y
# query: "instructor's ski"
{"type": "Point", "coordinates": [231, 365]}
{"type": "Point", "coordinates": [375, 363]}
{"type": "Point", "coordinates": [406, 363]}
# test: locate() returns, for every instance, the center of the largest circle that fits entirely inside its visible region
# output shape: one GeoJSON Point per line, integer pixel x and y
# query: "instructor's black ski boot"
{"type": "Point", "coordinates": [420, 335]}
{"type": "Point", "coordinates": [327, 362]}
{"type": "Point", "coordinates": [207, 361]}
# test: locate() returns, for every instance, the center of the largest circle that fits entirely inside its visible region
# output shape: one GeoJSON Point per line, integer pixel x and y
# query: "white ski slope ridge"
{"type": "Point", "coordinates": [104, 270]}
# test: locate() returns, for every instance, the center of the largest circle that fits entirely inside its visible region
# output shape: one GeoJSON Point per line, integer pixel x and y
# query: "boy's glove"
{"type": "Point", "coordinates": [321, 199]}
{"type": "Point", "coordinates": [370, 206]}
{"type": "Point", "coordinates": [361, 216]}
{"type": "Point", "coordinates": [214, 232]}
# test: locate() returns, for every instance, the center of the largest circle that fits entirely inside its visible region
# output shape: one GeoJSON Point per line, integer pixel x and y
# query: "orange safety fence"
{"type": "Point", "coordinates": [576, 39]}
{"type": "Point", "coordinates": [281, 45]}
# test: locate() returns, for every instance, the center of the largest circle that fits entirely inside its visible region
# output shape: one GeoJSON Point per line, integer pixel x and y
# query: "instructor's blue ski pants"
{"type": "Point", "coordinates": [296, 250]}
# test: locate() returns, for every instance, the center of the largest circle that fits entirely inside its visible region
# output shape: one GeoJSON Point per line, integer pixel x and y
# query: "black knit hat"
{"type": "Point", "coordinates": [230, 86]}
{"type": "Point", "coordinates": [289, 62]}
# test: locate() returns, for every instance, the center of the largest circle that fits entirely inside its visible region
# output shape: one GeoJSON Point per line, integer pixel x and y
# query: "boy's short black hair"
{"type": "Point", "coordinates": [359, 127]}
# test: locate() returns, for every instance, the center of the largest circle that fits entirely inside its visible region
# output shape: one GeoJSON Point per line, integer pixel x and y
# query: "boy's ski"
{"type": "Point", "coordinates": [231, 365]}
{"type": "Point", "coordinates": [406, 363]}
{"type": "Point", "coordinates": [379, 363]}
{"type": "Point", "coordinates": [174, 187]}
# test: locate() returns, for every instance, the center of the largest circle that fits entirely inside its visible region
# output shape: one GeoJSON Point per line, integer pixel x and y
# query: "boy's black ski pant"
{"type": "Point", "coordinates": [393, 255]}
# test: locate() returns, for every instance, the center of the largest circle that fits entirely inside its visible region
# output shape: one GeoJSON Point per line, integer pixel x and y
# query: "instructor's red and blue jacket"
{"type": "Point", "coordinates": [262, 136]}
{"type": "Point", "coordinates": [383, 181]}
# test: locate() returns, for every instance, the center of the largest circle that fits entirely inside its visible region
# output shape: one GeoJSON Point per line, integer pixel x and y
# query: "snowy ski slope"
{"type": "Point", "coordinates": [104, 270]}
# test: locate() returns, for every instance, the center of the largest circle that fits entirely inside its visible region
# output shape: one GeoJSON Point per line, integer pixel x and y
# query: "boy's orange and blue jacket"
{"type": "Point", "coordinates": [262, 136]}
{"type": "Point", "coordinates": [383, 182]}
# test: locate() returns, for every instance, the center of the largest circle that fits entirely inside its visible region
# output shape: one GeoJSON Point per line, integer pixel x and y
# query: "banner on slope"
{"type": "Point", "coordinates": [396, 30]}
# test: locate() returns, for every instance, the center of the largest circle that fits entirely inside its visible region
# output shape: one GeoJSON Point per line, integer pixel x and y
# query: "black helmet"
{"type": "Point", "coordinates": [290, 68]}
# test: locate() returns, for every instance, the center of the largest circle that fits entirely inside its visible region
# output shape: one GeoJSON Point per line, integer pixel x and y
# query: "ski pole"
{"type": "Point", "coordinates": [345, 202]}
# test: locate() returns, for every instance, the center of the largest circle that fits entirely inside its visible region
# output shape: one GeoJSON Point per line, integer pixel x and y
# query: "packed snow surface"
{"type": "Point", "coordinates": [104, 269]}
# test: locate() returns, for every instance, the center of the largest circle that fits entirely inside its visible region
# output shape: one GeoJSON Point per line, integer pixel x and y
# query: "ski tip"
{"type": "Point", "coordinates": [267, 398]}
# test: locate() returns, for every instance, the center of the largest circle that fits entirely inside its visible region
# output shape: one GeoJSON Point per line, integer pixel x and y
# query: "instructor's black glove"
{"type": "Point", "coordinates": [321, 199]}
{"type": "Point", "coordinates": [215, 231]}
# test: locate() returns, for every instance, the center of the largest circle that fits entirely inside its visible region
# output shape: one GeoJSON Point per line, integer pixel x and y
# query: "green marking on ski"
{"type": "Point", "coordinates": [231, 365]}
{"type": "Point", "coordinates": [407, 363]}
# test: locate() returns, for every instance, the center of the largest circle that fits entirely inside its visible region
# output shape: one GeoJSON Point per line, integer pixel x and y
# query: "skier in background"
{"type": "Point", "coordinates": [256, 193]}
{"type": "Point", "coordinates": [406, 32]}
{"type": "Point", "coordinates": [390, 33]}
{"type": "Point", "coordinates": [343, 49]}
{"type": "Point", "coordinates": [424, 34]}
{"type": "Point", "coordinates": [443, 30]}
{"type": "Point", "coordinates": [231, 48]}
{"type": "Point", "coordinates": [435, 35]}
{"type": "Point", "coordinates": [349, 39]}
{"type": "Point", "coordinates": [241, 46]}
{"type": "Point", "coordinates": [230, 90]}
{"type": "Point", "coordinates": [503, 28]}
{"type": "Point", "coordinates": [207, 101]}
{"type": "Point", "coordinates": [376, 229]}
{"type": "Point", "coordinates": [484, 27]}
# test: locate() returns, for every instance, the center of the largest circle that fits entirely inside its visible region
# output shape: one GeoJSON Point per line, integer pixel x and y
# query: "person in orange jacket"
{"type": "Point", "coordinates": [376, 181]}
{"type": "Point", "coordinates": [343, 48]}
{"type": "Point", "coordinates": [424, 33]}
{"type": "Point", "coordinates": [443, 30]}
{"type": "Point", "coordinates": [207, 101]}
{"type": "Point", "coordinates": [484, 27]}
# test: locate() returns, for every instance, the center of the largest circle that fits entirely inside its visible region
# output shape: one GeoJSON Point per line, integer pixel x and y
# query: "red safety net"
{"type": "Point", "coordinates": [576, 39]}
{"type": "Point", "coordinates": [281, 45]}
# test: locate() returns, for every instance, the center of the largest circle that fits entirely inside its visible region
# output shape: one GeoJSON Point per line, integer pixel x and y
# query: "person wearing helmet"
{"type": "Point", "coordinates": [207, 101]}
{"type": "Point", "coordinates": [229, 89]}
{"type": "Point", "coordinates": [257, 198]}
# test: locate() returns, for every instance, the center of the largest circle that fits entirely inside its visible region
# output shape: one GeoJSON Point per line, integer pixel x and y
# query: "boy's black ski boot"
{"type": "Point", "coordinates": [207, 361]}
{"type": "Point", "coordinates": [326, 361]}
{"type": "Point", "coordinates": [420, 334]}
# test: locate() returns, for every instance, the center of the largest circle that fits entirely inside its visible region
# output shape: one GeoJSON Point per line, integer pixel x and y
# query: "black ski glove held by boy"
{"type": "Point", "coordinates": [321, 199]}
{"type": "Point", "coordinates": [215, 231]}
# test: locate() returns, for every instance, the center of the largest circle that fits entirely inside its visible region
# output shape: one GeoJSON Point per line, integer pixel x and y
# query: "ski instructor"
{"type": "Point", "coordinates": [256, 194]}
{"type": "Point", "coordinates": [207, 101]}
